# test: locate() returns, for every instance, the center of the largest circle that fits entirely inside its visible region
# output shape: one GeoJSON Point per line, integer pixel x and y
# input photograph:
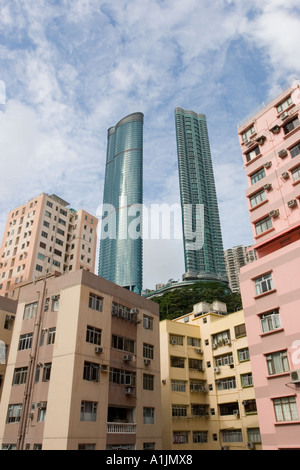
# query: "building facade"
{"type": "Point", "coordinates": [270, 286]}
{"type": "Point", "coordinates": [8, 309]}
{"type": "Point", "coordinates": [45, 235]}
{"type": "Point", "coordinates": [121, 245]}
{"type": "Point", "coordinates": [235, 259]}
{"type": "Point", "coordinates": [208, 399]}
{"type": "Point", "coordinates": [204, 256]}
{"type": "Point", "coordinates": [85, 354]}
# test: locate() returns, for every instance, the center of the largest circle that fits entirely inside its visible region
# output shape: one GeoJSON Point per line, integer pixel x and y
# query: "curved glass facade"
{"type": "Point", "coordinates": [121, 246]}
{"type": "Point", "coordinates": [197, 187]}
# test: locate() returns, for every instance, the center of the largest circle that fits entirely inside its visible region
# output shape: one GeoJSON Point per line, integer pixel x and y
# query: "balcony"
{"type": "Point", "coordinates": [121, 428]}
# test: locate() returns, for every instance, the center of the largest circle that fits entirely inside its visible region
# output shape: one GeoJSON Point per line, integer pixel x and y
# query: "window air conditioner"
{"type": "Point", "coordinates": [147, 362]}
{"type": "Point", "coordinates": [292, 203]}
{"type": "Point", "coordinates": [104, 368]}
{"type": "Point", "coordinates": [284, 115]}
{"type": "Point", "coordinates": [251, 445]}
{"type": "Point", "coordinates": [283, 153]}
{"type": "Point", "coordinates": [98, 350]}
{"type": "Point", "coordinates": [295, 376]}
{"type": "Point", "coordinates": [134, 310]}
{"type": "Point", "coordinates": [275, 129]}
{"type": "Point", "coordinates": [214, 346]}
{"type": "Point", "coordinates": [216, 370]}
{"type": "Point", "coordinates": [268, 186]}
{"type": "Point", "coordinates": [129, 390]}
{"type": "Point", "coordinates": [198, 351]}
{"type": "Point", "coordinates": [285, 175]}
{"type": "Point", "coordinates": [274, 213]}
{"type": "Point", "coordinates": [127, 358]}
{"type": "Point", "coordinates": [268, 165]}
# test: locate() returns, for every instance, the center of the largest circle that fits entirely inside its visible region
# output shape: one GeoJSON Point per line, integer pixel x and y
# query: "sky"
{"type": "Point", "coordinates": [71, 69]}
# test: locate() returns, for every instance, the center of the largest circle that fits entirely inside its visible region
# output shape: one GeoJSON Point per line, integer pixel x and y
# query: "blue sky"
{"type": "Point", "coordinates": [70, 69]}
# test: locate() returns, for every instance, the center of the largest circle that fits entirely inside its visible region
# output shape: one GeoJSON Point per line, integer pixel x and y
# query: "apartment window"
{"type": "Point", "coordinates": [147, 322]}
{"type": "Point", "coordinates": [51, 335]}
{"type": "Point", "coordinates": [247, 380]}
{"type": "Point", "coordinates": [148, 382]}
{"type": "Point", "coordinates": [232, 435]}
{"type": "Point", "coordinates": [177, 362]}
{"type": "Point", "coordinates": [285, 409]}
{"type": "Point", "coordinates": [46, 224]}
{"type": "Point", "coordinates": [86, 446]}
{"type": "Point", "coordinates": [25, 341]}
{"type": "Point", "coordinates": [14, 413]}
{"type": "Point", "coordinates": [228, 409]}
{"type": "Point", "coordinates": [148, 351]}
{"type": "Point", "coordinates": [95, 302]}
{"type": "Point", "coordinates": [270, 321]}
{"type": "Point", "coordinates": [200, 437]}
{"type": "Point", "coordinates": [295, 150]}
{"type": "Point", "coordinates": [61, 221]}
{"type": "Point", "coordinates": [250, 406]}
{"type": "Point", "coordinates": [93, 335]}
{"type": "Point", "coordinates": [47, 213]}
{"type": "Point", "coordinates": [257, 198]}
{"type": "Point", "coordinates": [30, 310]}
{"type": "Point", "coordinates": [284, 105]}
{"type": "Point", "coordinates": [148, 415]}
{"type": "Point", "coordinates": [253, 435]}
{"type": "Point", "coordinates": [178, 385]}
{"type": "Point", "coordinates": [123, 344]}
{"type": "Point", "coordinates": [195, 342]}
{"type": "Point", "coordinates": [224, 360]}
{"type": "Point", "coordinates": [290, 126]}
{"type": "Point", "coordinates": [42, 413]}
{"type": "Point", "coordinates": [195, 364]}
{"type": "Point", "coordinates": [277, 362]}
{"type": "Point", "coordinates": [263, 225]}
{"type": "Point", "coordinates": [44, 234]}
{"type": "Point", "coordinates": [121, 376]}
{"type": "Point", "coordinates": [221, 338]}
{"type": "Point", "coordinates": [296, 174]}
{"type": "Point", "coordinates": [240, 330]}
{"type": "Point", "coordinates": [60, 231]}
{"type": "Point", "coordinates": [179, 411]}
{"type": "Point", "coordinates": [243, 354]}
{"type": "Point", "coordinates": [91, 371]}
{"type": "Point", "coordinates": [248, 133]}
{"type": "Point", "coordinates": [175, 339]}
{"type": "Point", "coordinates": [149, 445]}
{"type": "Point", "coordinates": [47, 372]}
{"type": "Point", "coordinates": [264, 284]}
{"type": "Point", "coordinates": [180, 437]}
{"type": "Point", "coordinates": [20, 376]}
{"type": "Point", "coordinates": [39, 268]}
{"type": "Point", "coordinates": [226, 384]}
{"type": "Point", "coordinates": [252, 154]}
{"type": "Point", "coordinates": [88, 411]}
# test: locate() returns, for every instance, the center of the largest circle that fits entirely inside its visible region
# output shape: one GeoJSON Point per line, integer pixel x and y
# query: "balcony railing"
{"type": "Point", "coordinates": [121, 428]}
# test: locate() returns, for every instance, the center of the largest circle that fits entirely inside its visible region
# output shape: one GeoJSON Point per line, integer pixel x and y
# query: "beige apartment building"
{"type": "Point", "coordinates": [45, 235]}
{"type": "Point", "coordinates": [83, 369]}
{"type": "Point", "coordinates": [208, 399]}
{"type": "Point", "coordinates": [8, 309]}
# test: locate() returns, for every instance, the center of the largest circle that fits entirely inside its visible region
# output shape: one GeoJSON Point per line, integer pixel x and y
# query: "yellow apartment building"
{"type": "Point", "coordinates": [8, 309]}
{"type": "Point", "coordinates": [42, 236]}
{"type": "Point", "coordinates": [208, 398]}
{"type": "Point", "coordinates": [84, 368]}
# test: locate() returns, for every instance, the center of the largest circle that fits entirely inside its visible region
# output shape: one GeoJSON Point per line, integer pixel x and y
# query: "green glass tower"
{"type": "Point", "coordinates": [205, 260]}
{"type": "Point", "coordinates": [121, 245]}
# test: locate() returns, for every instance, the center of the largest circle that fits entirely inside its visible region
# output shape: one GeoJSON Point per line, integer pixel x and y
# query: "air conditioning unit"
{"type": "Point", "coordinates": [147, 362]}
{"type": "Point", "coordinates": [98, 350]}
{"type": "Point", "coordinates": [275, 129]}
{"type": "Point", "coordinates": [236, 413]}
{"type": "Point", "coordinates": [282, 153]}
{"type": "Point", "coordinates": [225, 448]}
{"type": "Point", "coordinates": [260, 140]}
{"type": "Point", "coordinates": [251, 445]}
{"type": "Point", "coordinates": [292, 203]}
{"type": "Point", "coordinates": [268, 165]}
{"type": "Point", "coordinates": [103, 368]}
{"type": "Point", "coordinates": [285, 175]}
{"type": "Point", "coordinates": [284, 116]}
{"type": "Point", "coordinates": [295, 376]}
{"type": "Point", "coordinates": [55, 297]}
{"type": "Point", "coordinates": [41, 404]}
{"type": "Point", "coordinates": [214, 346]}
{"type": "Point", "coordinates": [227, 341]}
{"type": "Point", "coordinates": [216, 370]}
{"type": "Point", "coordinates": [129, 390]}
{"type": "Point", "coordinates": [173, 342]}
{"type": "Point", "coordinates": [127, 358]}
{"type": "Point", "coordinates": [198, 351]}
{"type": "Point", "coordinates": [134, 310]}
{"type": "Point", "coordinates": [268, 186]}
{"type": "Point", "coordinates": [274, 213]}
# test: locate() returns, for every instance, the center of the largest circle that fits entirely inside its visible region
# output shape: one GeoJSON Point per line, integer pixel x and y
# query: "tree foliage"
{"type": "Point", "coordinates": [180, 301]}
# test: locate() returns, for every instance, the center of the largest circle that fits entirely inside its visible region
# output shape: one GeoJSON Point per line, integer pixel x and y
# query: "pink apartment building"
{"type": "Point", "coordinates": [270, 286]}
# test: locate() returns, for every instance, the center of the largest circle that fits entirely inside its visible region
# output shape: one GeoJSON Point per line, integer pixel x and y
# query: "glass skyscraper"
{"type": "Point", "coordinates": [198, 195]}
{"type": "Point", "coordinates": [121, 245]}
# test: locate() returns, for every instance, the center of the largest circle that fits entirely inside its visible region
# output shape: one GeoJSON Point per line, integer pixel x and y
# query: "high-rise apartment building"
{"type": "Point", "coordinates": [84, 368]}
{"type": "Point", "coordinates": [45, 235]}
{"type": "Point", "coordinates": [121, 245]}
{"type": "Point", "coordinates": [8, 309]}
{"type": "Point", "coordinates": [208, 399]}
{"type": "Point", "coordinates": [235, 259]}
{"type": "Point", "coordinates": [204, 257]}
{"type": "Point", "coordinates": [270, 286]}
